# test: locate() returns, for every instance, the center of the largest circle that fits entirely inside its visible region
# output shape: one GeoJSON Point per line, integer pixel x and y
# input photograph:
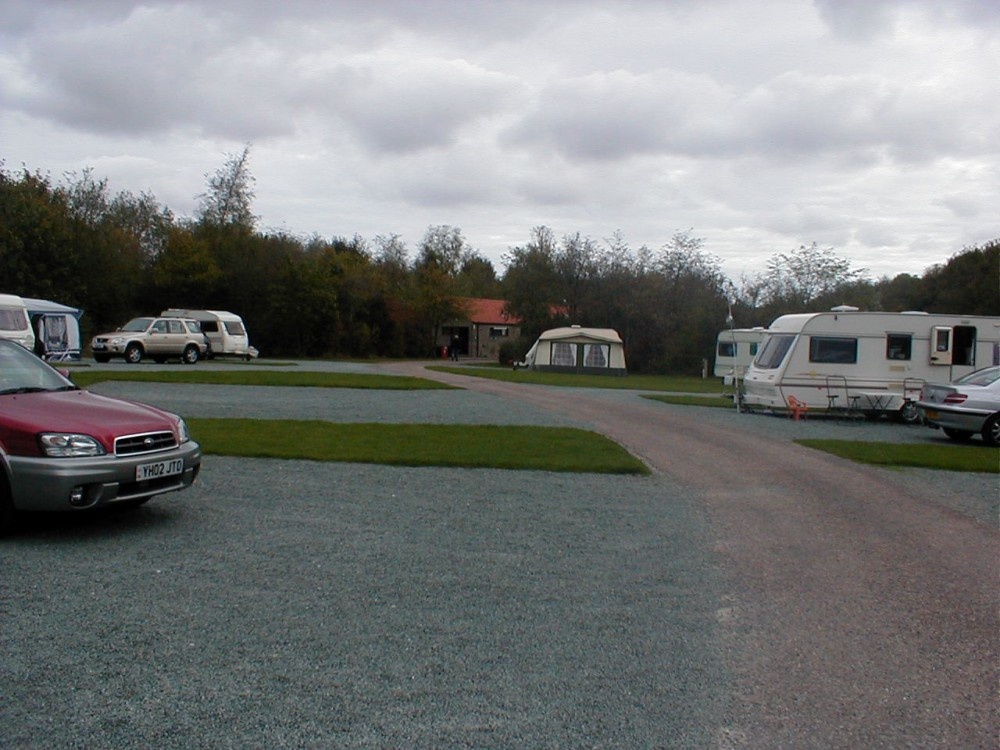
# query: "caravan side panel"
{"type": "Point", "coordinates": [868, 361]}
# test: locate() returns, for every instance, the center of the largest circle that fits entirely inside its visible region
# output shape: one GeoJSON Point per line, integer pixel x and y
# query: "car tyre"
{"type": "Point", "coordinates": [960, 436]}
{"type": "Point", "coordinates": [7, 513]}
{"type": "Point", "coordinates": [991, 431]}
{"type": "Point", "coordinates": [133, 354]}
{"type": "Point", "coordinates": [190, 355]}
{"type": "Point", "coordinates": [102, 358]}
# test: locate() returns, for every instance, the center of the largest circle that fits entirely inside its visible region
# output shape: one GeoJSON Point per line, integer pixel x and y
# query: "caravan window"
{"type": "Point", "coordinates": [774, 351]}
{"type": "Point", "coordinates": [595, 355]}
{"type": "Point", "coordinates": [563, 354]}
{"type": "Point", "coordinates": [235, 328]}
{"type": "Point", "coordinates": [727, 348]}
{"type": "Point", "coordinates": [833, 350]}
{"type": "Point", "coordinates": [12, 319]}
{"type": "Point", "coordinates": [210, 326]}
{"type": "Point", "coordinates": [898, 346]}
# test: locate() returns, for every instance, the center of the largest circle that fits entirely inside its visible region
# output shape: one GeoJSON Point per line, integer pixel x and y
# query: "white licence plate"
{"type": "Point", "coordinates": [144, 472]}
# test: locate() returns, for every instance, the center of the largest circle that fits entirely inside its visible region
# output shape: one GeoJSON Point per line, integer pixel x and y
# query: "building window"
{"type": "Point", "coordinates": [499, 332]}
{"type": "Point", "coordinates": [563, 354]}
{"type": "Point", "coordinates": [898, 346]}
{"type": "Point", "coordinates": [833, 350]}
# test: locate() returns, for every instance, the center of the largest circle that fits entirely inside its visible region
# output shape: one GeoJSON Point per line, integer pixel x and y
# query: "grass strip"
{"type": "Point", "coordinates": [299, 378]}
{"type": "Point", "coordinates": [676, 383]}
{"type": "Point", "coordinates": [724, 400]}
{"type": "Point", "coordinates": [973, 458]}
{"type": "Point", "coordinates": [565, 449]}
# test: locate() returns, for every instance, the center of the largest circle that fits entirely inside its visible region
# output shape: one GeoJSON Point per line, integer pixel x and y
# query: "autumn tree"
{"type": "Point", "coordinates": [228, 201]}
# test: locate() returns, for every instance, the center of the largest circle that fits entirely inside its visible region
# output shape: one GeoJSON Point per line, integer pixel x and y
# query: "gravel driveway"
{"type": "Point", "coordinates": [308, 605]}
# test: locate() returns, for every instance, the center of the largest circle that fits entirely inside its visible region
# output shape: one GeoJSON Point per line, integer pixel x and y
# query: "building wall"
{"type": "Point", "coordinates": [477, 340]}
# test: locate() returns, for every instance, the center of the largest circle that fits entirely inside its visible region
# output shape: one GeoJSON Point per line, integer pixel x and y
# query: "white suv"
{"type": "Point", "coordinates": [157, 338]}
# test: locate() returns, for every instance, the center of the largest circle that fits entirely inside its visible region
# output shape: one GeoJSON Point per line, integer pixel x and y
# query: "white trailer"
{"type": "Point", "coordinates": [870, 363]}
{"type": "Point", "coordinates": [15, 323]}
{"type": "Point", "coordinates": [735, 349]}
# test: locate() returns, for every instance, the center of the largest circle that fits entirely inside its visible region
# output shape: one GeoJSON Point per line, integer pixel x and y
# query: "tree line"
{"type": "Point", "coordinates": [120, 255]}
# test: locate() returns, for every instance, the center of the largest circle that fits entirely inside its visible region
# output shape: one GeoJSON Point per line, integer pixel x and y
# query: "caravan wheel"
{"type": "Point", "coordinates": [908, 413]}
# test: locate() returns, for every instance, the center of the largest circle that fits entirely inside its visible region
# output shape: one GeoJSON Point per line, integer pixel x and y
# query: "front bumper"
{"type": "Point", "coordinates": [46, 484]}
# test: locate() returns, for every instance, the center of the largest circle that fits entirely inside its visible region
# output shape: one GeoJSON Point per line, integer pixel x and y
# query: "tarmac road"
{"type": "Point", "coordinates": [863, 611]}
{"type": "Point", "coordinates": [751, 594]}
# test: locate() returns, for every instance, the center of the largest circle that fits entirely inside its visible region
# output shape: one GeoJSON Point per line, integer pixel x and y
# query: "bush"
{"type": "Point", "coordinates": [507, 352]}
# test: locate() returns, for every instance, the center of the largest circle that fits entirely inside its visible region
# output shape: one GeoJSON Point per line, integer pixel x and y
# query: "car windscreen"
{"type": "Point", "coordinates": [137, 324]}
{"type": "Point", "coordinates": [21, 371]}
{"type": "Point", "coordinates": [980, 377]}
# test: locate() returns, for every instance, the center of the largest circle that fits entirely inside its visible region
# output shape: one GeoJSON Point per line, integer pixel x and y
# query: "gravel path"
{"type": "Point", "coordinates": [749, 594]}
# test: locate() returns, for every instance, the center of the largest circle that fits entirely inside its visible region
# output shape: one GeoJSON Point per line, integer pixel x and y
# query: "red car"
{"type": "Point", "coordinates": [63, 448]}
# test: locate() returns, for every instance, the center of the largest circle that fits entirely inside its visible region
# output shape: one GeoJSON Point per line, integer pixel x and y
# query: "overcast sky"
{"type": "Point", "coordinates": [760, 125]}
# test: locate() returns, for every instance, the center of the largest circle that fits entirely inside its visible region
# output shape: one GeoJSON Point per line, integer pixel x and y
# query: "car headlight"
{"type": "Point", "coordinates": [117, 341]}
{"type": "Point", "coordinates": [182, 431]}
{"type": "Point", "coordinates": [69, 445]}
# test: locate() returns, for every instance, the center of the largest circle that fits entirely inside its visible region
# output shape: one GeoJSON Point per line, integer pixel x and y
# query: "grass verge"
{"type": "Point", "coordinates": [302, 379]}
{"type": "Point", "coordinates": [944, 457]}
{"type": "Point", "coordinates": [724, 400]}
{"type": "Point", "coordinates": [565, 449]}
{"type": "Point", "coordinates": [677, 383]}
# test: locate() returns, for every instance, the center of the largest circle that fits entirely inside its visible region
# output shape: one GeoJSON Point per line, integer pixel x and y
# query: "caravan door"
{"type": "Point", "coordinates": [954, 346]}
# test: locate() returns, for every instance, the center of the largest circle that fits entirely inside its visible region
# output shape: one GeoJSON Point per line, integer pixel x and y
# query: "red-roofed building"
{"type": "Point", "coordinates": [483, 332]}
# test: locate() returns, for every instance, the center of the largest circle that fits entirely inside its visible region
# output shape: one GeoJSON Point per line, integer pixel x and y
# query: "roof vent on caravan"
{"type": "Point", "coordinates": [844, 308]}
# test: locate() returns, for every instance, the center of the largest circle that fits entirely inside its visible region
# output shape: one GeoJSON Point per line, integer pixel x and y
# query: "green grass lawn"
{"type": "Point", "coordinates": [481, 446]}
{"type": "Point", "coordinates": [977, 458]}
{"type": "Point", "coordinates": [679, 383]}
{"type": "Point", "coordinates": [724, 400]}
{"type": "Point", "coordinates": [304, 379]}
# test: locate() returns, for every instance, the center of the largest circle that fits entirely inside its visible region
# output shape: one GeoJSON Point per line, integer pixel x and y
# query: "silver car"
{"type": "Point", "coordinates": [966, 406]}
{"type": "Point", "coordinates": [157, 338]}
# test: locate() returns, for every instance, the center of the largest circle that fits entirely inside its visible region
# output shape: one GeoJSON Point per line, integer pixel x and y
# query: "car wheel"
{"type": "Point", "coordinates": [958, 435]}
{"type": "Point", "coordinates": [908, 413]}
{"type": "Point", "coordinates": [991, 431]}
{"type": "Point", "coordinates": [190, 355]}
{"type": "Point", "coordinates": [133, 354]}
{"type": "Point", "coordinates": [102, 358]}
{"type": "Point", "coordinates": [6, 508]}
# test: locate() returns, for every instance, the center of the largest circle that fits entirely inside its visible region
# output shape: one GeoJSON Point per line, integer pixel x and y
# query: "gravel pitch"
{"type": "Point", "coordinates": [292, 604]}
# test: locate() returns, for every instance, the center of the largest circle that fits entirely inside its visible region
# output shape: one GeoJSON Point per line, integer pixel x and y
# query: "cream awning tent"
{"type": "Point", "coordinates": [576, 349]}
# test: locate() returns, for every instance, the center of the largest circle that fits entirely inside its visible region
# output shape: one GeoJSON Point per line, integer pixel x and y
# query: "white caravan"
{"type": "Point", "coordinates": [14, 321]}
{"type": "Point", "coordinates": [735, 349]}
{"type": "Point", "coordinates": [226, 333]}
{"type": "Point", "coordinates": [872, 363]}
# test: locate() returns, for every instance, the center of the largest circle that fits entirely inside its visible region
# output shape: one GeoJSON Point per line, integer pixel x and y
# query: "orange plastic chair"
{"type": "Point", "coordinates": [797, 408]}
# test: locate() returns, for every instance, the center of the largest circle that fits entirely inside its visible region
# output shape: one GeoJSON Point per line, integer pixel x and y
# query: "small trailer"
{"type": "Point", "coordinates": [865, 363]}
{"type": "Point", "coordinates": [735, 349]}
